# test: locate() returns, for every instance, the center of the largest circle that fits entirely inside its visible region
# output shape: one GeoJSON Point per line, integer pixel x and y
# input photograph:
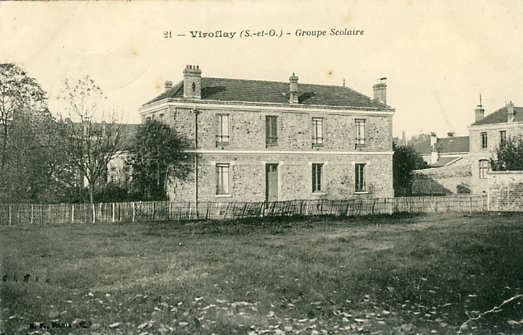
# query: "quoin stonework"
{"type": "Point", "coordinates": [275, 141]}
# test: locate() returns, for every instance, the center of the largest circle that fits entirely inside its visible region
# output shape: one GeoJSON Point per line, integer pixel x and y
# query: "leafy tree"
{"type": "Point", "coordinates": [419, 138]}
{"type": "Point", "coordinates": [404, 161]}
{"type": "Point", "coordinates": [91, 138]}
{"type": "Point", "coordinates": [508, 155]}
{"type": "Point", "coordinates": [29, 148]}
{"type": "Point", "coordinates": [158, 156]}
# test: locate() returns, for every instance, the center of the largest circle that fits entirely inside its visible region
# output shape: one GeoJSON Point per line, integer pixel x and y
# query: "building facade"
{"type": "Point", "coordinates": [486, 133]}
{"type": "Point", "coordinates": [275, 141]}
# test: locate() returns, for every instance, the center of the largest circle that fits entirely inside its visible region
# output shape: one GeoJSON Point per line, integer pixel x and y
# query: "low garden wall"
{"type": "Point", "coordinates": [505, 191]}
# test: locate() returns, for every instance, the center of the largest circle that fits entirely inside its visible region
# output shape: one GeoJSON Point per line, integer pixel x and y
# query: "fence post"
{"type": "Point", "coordinates": [94, 213]}
{"type": "Point", "coordinates": [72, 213]}
{"type": "Point", "coordinates": [9, 209]}
{"type": "Point", "coordinates": [133, 212]}
{"type": "Point", "coordinates": [32, 212]}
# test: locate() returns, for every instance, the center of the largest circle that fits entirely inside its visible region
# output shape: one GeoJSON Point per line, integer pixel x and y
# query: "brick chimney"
{"type": "Point", "coordinates": [380, 90]}
{"type": "Point", "coordinates": [293, 97]}
{"type": "Point", "coordinates": [192, 82]}
{"type": "Point", "coordinates": [510, 112]}
{"type": "Point", "coordinates": [168, 85]}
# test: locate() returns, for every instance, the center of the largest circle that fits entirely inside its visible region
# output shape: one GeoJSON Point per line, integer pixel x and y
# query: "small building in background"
{"type": "Point", "coordinates": [486, 133]}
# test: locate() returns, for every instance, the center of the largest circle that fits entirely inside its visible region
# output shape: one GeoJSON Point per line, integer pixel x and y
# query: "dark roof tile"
{"type": "Point", "coordinates": [500, 116]}
{"type": "Point", "coordinates": [222, 89]}
{"type": "Point", "coordinates": [447, 145]}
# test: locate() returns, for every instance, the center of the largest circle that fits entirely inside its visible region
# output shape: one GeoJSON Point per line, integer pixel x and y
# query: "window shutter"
{"type": "Point", "coordinates": [231, 172]}
{"type": "Point", "coordinates": [216, 127]}
{"type": "Point", "coordinates": [267, 129]}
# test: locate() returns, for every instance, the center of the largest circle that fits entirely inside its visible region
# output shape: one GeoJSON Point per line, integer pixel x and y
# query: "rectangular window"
{"type": "Point", "coordinates": [317, 131]}
{"type": "Point", "coordinates": [360, 178]}
{"type": "Point", "coordinates": [222, 136]}
{"type": "Point", "coordinates": [271, 123]}
{"type": "Point", "coordinates": [484, 143]}
{"type": "Point", "coordinates": [502, 136]}
{"type": "Point", "coordinates": [222, 179]}
{"type": "Point", "coordinates": [483, 168]}
{"type": "Point", "coordinates": [317, 178]}
{"type": "Point", "coordinates": [360, 132]}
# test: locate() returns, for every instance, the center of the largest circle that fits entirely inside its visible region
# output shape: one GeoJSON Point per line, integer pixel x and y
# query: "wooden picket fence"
{"type": "Point", "coordinates": [16, 214]}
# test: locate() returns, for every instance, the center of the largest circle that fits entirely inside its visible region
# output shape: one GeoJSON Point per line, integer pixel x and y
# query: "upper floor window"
{"type": "Point", "coordinates": [502, 136]}
{"type": "Point", "coordinates": [484, 167]}
{"type": "Point", "coordinates": [360, 178]}
{"type": "Point", "coordinates": [484, 142]}
{"type": "Point", "coordinates": [317, 131]}
{"type": "Point", "coordinates": [360, 132]}
{"type": "Point", "coordinates": [271, 125]}
{"type": "Point", "coordinates": [222, 179]}
{"type": "Point", "coordinates": [317, 178]}
{"type": "Point", "coordinates": [222, 135]}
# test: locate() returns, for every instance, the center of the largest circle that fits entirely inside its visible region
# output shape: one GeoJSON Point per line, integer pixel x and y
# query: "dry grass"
{"type": "Point", "coordinates": [414, 274]}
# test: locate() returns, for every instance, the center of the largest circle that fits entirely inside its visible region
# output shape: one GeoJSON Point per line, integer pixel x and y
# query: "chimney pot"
{"type": "Point", "coordinates": [168, 85]}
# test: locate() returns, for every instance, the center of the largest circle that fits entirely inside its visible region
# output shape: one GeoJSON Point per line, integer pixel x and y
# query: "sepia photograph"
{"type": "Point", "coordinates": [261, 167]}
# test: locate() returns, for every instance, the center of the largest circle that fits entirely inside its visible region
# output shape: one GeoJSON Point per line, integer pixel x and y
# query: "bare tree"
{"type": "Point", "coordinates": [91, 137]}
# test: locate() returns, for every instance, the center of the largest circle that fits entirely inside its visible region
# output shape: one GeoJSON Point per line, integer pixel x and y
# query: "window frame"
{"type": "Point", "coordinates": [318, 177]}
{"type": "Point", "coordinates": [223, 189]}
{"type": "Point", "coordinates": [484, 168]}
{"type": "Point", "coordinates": [271, 130]}
{"type": "Point", "coordinates": [318, 131]}
{"type": "Point", "coordinates": [221, 138]}
{"type": "Point", "coordinates": [360, 178]}
{"type": "Point", "coordinates": [484, 139]}
{"type": "Point", "coordinates": [502, 136]}
{"type": "Point", "coordinates": [360, 137]}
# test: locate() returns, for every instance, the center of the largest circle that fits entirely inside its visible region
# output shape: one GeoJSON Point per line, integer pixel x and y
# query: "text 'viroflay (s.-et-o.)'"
{"type": "Point", "coordinates": [275, 33]}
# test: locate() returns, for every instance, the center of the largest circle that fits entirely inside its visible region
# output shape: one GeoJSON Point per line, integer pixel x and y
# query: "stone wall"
{"type": "Point", "coordinates": [505, 191]}
{"type": "Point", "coordinates": [247, 154]}
{"type": "Point", "coordinates": [477, 153]}
{"type": "Point", "coordinates": [247, 128]}
{"type": "Point", "coordinates": [445, 180]}
{"type": "Point", "coordinates": [295, 177]}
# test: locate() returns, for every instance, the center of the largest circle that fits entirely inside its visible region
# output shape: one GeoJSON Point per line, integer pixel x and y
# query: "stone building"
{"type": "Point", "coordinates": [275, 141]}
{"type": "Point", "coordinates": [485, 134]}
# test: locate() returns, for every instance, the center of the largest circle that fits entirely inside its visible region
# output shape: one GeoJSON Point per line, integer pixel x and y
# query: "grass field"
{"type": "Point", "coordinates": [374, 275]}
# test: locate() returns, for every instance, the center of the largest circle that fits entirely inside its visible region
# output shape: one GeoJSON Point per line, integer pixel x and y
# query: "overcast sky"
{"type": "Point", "coordinates": [438, 56]}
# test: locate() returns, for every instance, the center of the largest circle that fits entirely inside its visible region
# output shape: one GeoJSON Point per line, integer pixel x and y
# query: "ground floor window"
{"type": "Point", "coordinates": [317, 178]}
{"type": "Point", "coordinates": [222, 179]}
{"type": "Point", "coordinates": [360, 182]}
{"type": "Point", "coordinates": [483, 168]}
